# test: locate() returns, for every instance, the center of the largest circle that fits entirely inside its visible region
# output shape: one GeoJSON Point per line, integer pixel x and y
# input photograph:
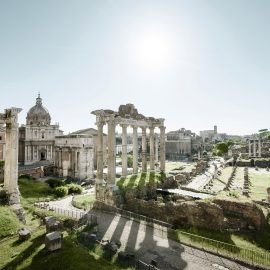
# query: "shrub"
{"type": "Point", "coordinates": [2, 163]}
{"type": "Point", "coordinates": [74, 188]}
{"type": "Point", "coordinates": [25, 176]}
{"type": "Point", "coordinates": [61, 191]}
{"type": "Point", "coordinates": [54, 183]}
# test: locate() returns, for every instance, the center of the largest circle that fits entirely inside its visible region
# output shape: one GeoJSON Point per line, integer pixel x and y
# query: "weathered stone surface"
{"type": "Point", "coordinates": [52, 224]}
{"type": "Point", "coordinates": [53, 241]}
{"type": "Point", "coordinates": [170, 182]}
{"type": "Point", "coordinates": [24, 234]}
{"type": "Point", "coordinates": [216, 215]}
{"type": "Point", "coordinates": [243, 214]}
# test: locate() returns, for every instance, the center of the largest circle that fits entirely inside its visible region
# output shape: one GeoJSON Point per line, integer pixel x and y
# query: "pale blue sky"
{"type": "Point", "coordinates": [210, 65]}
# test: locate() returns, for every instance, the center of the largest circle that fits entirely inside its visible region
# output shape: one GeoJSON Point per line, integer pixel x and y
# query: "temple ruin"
{"type": "Point", "coordinates": [10, 119]}
{"type": "Point", "coordinates": [127, 115]}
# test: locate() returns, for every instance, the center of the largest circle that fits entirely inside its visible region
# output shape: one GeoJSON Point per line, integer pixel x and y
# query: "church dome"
{"type": "Point", "coordinates": [38, 115]}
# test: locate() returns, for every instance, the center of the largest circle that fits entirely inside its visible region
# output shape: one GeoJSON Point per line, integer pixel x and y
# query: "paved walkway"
{"type": "Point", "coordinates": [148, 243]}
{"type": "Point", "coordinates": [201, 180]}
{"type": "Point", "coordinates": [66, 202]}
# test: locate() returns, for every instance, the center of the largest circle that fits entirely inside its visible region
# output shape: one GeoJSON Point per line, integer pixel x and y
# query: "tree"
{"type": "Point", "coordinates": [222, 148]}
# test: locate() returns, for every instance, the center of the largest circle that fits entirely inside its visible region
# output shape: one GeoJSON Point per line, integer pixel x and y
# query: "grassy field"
{"type": "Point", "coordinates": [260, 181]}
{"type": "Point", "coordinates": [84, 201]}
{"type": "Point", "coordinates": [32, 255]}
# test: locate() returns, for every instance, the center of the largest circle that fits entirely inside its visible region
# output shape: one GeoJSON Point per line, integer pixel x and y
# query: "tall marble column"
{"type": "Point", "coordinates": [99, 179]}
{"type": "Point", "coordinates": [111, 152]}
{"type": "Point", "coordinates": [135, 150]}
{"type": "Point", "coordinates": [254, 148]}
{"type": "Point", "coordinates": [156, 148]}
{"type": "Point", "coordinates": [124, 150]}
{"type": "Point", "coordinates": [259, 148]}
{"type": "Point", "coordinates": [162, 148]}
{"type": "Point", "coordinates": [11, 161]}
{"type": "Point", "coordinates": [144, 150]}
{"type": "Point", "coordinates": [152, 149]}
{"type": "Point", "coordinates": [249, 148]}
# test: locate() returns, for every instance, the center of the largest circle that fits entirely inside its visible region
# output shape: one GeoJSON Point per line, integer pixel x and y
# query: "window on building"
{"type": "Point", "coordinates": [42, 135]}
{"type": "Point", "coordinates": [0, 138]}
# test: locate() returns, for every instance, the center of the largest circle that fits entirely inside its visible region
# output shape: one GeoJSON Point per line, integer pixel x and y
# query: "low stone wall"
{"type": "Point", "coordinates": [260, 163]}
{"type": "Point", "coordinates": [35, 173]}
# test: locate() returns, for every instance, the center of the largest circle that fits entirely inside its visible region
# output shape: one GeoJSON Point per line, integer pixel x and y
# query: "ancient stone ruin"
{"type": "Point", "coordinates": [10, 119]}
{"type": "Point", "coordinates": [127, 115]}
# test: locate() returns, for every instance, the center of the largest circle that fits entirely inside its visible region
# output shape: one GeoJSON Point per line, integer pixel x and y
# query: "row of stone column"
{"type": "Point", "coordinates": [255, 144]}
{"type": "Point", "coordinates": [111, 151]}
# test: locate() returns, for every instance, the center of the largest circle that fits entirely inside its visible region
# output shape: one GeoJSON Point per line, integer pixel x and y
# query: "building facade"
{"type": "Point", "coordinates": [182, 143]}
{"type": "Point", "coordinates": [37, 137]}
{"type": "Point", "coordinates": [74, 155]}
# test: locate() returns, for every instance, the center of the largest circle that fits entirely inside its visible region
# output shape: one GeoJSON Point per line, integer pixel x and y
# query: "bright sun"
{"type": "Point", "coordinates": [153, 51]}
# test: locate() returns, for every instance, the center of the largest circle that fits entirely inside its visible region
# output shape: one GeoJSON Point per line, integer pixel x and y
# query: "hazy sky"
{"type": "Point", "coordinates": [195, 63]}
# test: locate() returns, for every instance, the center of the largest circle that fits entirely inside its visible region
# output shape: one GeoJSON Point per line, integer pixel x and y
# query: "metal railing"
{"type": "Point", "coordinates": [75, 214]}
{"type": "Point", "coordinates": [165, 230]}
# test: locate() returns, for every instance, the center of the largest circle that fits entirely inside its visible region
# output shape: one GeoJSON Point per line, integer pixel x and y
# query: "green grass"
{"type": "Point", "coordinates": [84, 201]}
{"type": "Point", "coordinates": [32, 255]}
{"type": "Point", "coordinates": [140, 180]}
{"type": "Point", "coordinates": [259, 183]}
{"type": "Point", "coordinates": [243, 245]}
{"type": "Point", "coordinates": [33, 191]}
{"type": "Point", "coordinates": [9, 223]}
{"type": "Point", "coordinates": [257, 241]}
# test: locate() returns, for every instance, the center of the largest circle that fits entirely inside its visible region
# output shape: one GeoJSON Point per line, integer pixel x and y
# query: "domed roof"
{"type": "Point", "coordinates": [38, 115]}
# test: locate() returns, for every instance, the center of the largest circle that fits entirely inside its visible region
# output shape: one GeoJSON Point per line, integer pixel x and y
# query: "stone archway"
{"type": "Point", "coordinates": [10, 118]}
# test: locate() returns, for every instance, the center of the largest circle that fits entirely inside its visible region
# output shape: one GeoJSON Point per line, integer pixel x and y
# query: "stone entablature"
{"type": "Point", "coordinates": [127, 115]}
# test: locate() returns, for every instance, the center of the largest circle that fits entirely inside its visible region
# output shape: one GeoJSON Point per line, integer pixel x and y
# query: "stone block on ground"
{"type": "Point", "coordinates": [52, 224]}
{"type": "Point", "coordinates": [53, 241]}
{"type": "Point", "coordinates": [24, 234]}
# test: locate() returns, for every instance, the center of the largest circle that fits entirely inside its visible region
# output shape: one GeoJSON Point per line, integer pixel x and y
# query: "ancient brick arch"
{"type": "Point", "coordinates": [10, 118]}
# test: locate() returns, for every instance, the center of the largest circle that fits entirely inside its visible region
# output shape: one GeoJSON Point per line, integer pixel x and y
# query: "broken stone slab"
{"type": "Point", "coordinates": [53, 241]}
{"type": "Point", "coordinates": [24, 234]}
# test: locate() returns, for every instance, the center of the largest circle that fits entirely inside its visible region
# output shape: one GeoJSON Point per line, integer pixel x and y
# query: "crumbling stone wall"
{"type": "Point", "coordinates": [215, 215]}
